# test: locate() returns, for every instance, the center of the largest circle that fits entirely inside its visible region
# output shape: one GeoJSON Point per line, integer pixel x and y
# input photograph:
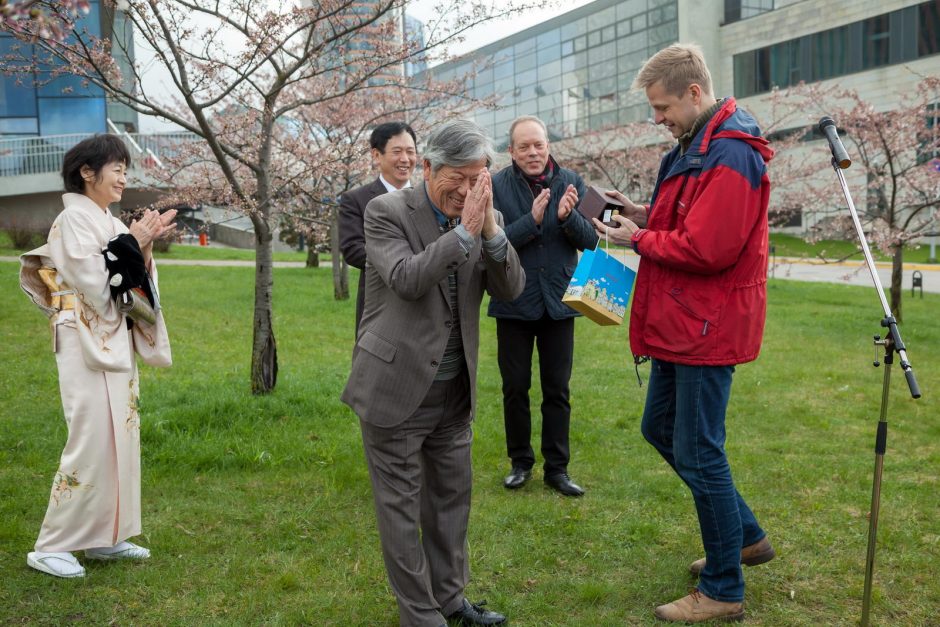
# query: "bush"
{"type": "Point", "coordinates": [26, 238]}
{"type": "Point", "coordinates": [162, 245]}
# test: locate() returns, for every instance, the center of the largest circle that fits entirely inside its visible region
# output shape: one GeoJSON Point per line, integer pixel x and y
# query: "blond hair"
{"type": "Point", "coordinates": [676, 67]}
{"type": "Point", "coordinates": [526, 118]}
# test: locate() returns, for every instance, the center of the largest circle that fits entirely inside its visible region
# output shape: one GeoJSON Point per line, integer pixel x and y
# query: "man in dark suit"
{"type": "Point", "coordinates": [393, 150]}
{"type": "Point", "coordinates": [537, 197]}
{"type": "Point", "coordinates": [433, 251]}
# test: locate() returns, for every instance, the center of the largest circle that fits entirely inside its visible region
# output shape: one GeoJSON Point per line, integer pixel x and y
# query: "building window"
{"type": "Point", "coordinates": [874, 42]}
{"type": "Point", "coordinates": [829, 53]}
{"type": "Point", "coordinates": [736, 10]}
{"type": "Point", "coordinates": [928, 36]}
{"type": "Point", "coordinates": [876, 34]}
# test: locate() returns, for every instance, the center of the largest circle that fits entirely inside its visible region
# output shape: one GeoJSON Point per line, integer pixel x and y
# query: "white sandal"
{"type": "Point", "coordinates": [122, 551]}
{"type": "Point", "coordinates": [55, 564]}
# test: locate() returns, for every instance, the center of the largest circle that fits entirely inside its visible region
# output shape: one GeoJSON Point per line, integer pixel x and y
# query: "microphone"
{"type": "Point", "coordinates": [828, 128]}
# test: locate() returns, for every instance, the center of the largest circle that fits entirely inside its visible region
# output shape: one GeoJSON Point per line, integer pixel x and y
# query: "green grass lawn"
{"type": "Point", "coordinates": [258, 510]}
{"type": "Point", "coordinates": [793, 246]}
{"type": "Point", "coordinates": [785, 246]}
{"type": "Point", "coordinates": [180, 251]}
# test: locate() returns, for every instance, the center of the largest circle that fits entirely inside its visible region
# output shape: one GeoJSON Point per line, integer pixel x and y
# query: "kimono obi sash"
{"type": "Point", "coordinates": [60, 296]}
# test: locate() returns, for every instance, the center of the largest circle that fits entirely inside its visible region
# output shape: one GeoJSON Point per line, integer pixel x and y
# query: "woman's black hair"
{"type": "Point", "coordinates": [95, 152]}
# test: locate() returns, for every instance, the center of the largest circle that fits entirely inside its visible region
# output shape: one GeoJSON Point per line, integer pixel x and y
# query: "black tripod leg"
{"type": "Point", "coordinates": [881, 442]}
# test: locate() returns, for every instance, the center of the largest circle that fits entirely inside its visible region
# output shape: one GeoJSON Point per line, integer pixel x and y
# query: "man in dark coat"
{"type": "Point", "coordinates": [538, 200]}
{"type": "Point", "coordinates": [393, 150]}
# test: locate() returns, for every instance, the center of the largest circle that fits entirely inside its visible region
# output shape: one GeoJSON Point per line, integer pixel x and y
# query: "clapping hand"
{"type": "Point", "coordinates": [152, 226]}
{"type": "Point", "coordinates": [539, 205]}
{"type": "Point", "coordinates": [567, 202]}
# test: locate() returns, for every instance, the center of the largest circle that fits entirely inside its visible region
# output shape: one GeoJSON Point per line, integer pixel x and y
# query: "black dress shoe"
{"type": "Point", "coordinates": [563, 483]}
{"type": "Point", "coordinates": [517, 478]}
{"type": "Point", "coordinates": [474, 614]}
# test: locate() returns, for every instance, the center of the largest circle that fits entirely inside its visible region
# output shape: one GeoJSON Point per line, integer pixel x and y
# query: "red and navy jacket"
{"type": "Point", "coordinates": [700, 295]}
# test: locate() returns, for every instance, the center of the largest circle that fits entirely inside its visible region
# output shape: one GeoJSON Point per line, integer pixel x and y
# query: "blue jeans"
{"type": "Point", "coordinates": [684, 419]}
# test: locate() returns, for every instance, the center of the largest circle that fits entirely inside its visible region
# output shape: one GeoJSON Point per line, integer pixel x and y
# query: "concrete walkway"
{"type": "Point", "coordinates": [798, 269]}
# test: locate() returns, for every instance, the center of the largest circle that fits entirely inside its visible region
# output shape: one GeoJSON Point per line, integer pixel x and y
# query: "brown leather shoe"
{"type": "Point", "coordinates": [751, 555]}
{"type": "Point", "coordinates": [696, 608]}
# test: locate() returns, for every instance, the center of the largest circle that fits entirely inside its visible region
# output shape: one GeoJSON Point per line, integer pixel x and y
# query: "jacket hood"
{"type": "Point", "coordinates": [732, 123]}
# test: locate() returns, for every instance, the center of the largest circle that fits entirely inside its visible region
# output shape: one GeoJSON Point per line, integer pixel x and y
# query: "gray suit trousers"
{"type": "Point", "coordinates": [421, 477]}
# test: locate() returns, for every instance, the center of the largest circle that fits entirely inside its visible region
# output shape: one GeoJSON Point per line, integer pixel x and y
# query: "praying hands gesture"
{"type": "Point", "coordinates": [478, 215]}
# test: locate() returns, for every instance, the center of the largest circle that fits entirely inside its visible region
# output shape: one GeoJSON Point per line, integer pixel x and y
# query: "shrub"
{"type": "Point", "coordinates": [24, 237]}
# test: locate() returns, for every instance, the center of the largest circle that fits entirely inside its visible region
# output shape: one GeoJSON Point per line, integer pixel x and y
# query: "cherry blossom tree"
{"type": "Point", "coordinates": [36, 16]}
{"type": "Point", "coordinates": [625, 158]}
{"type": "Point", "coordinates": [894, 176]}
{"type": "Point", "coordinates": [240, 76]}
{"type": "Point", "coordinates": [341, 128]}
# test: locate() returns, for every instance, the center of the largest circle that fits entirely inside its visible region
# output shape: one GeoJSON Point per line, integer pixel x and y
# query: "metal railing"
{"type": "Point", "coordinates": [43, 154]}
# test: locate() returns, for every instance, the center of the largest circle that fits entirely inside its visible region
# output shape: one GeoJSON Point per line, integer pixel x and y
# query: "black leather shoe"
{"type": "Point", "coordinates": [563, 483]}
{"type": "Point", "coordinates": [474, 614]}
{"type": "Point", "coordinates": [517, 478]}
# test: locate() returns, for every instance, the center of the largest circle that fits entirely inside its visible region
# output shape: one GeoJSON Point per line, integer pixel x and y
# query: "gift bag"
{"type": "Point", "coordinates": [600, 287]}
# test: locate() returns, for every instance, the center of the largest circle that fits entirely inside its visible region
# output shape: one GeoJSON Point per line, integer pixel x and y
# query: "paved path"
{"type": "Point", "coordinates": [848, 272]}
{"type": "Point", "coordinates": [854, 273]}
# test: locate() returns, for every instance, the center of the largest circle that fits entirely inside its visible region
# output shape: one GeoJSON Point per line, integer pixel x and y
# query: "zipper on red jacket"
{"type": "Point", "coordinates": [691, 311]}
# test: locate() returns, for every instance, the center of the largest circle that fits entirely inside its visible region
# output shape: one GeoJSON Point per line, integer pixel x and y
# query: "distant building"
{"type": "Point", "coordinates": [413, 31]}
{"type": "Point", "coordinates": [64, 105]}
{"type": "Point", "coordinates": [575, 71]}
{"type": "Point", "coordinates": [42, 116]}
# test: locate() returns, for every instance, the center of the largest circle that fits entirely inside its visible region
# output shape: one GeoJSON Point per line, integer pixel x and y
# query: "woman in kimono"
{"type": "Point", "coordinates": [95, 500]}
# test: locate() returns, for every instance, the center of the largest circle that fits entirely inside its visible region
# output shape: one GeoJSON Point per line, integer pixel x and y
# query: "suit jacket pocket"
{"type": "Point", "coordinates": [378, 346]}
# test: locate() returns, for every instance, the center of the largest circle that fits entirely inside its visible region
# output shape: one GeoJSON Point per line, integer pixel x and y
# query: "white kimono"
{"type": "Point", "coordinates": [95, 499]}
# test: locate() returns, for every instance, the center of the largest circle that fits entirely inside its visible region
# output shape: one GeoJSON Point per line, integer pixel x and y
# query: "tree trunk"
{"type": "Point", "coordinates": [313, 257]}
{"type": "Point", "coordinates": [263, 348]}
{"type": "Point", "coordinates": [340, 269]}
{"type": "Point", "coordinates": [897, 280]}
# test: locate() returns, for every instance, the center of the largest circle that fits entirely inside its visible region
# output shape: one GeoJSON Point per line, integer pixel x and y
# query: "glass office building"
{"type": "Point", "coordinates": [900, 36]}
{"type": "Point", "coordinates": [33, 105]}
{"type": "Point", "coordinates": [574, 71]}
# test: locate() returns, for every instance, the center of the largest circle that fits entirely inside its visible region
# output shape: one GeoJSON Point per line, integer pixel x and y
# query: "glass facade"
{"type": "Point", "coordinates": [897, 37]}
{"type": "Point", "coordinates": [574, 71]}
{"type": "Point", "coordinates": [43, 103]}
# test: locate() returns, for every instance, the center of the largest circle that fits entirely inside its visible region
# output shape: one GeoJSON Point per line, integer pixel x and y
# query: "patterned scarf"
{"type": "Point", "coordinates": [541, 181]}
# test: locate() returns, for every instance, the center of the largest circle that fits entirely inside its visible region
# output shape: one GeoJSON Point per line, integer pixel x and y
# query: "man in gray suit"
{"type": "Point", "coordinates": [432, 251]}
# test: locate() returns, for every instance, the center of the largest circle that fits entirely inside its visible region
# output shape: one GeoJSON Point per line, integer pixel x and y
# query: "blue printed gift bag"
{"type": "Point", "coordinates": [600, 287]}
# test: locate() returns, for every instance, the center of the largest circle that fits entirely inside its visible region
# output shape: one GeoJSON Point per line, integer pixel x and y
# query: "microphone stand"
{"type": "Point", "coordinates": [892, 344]}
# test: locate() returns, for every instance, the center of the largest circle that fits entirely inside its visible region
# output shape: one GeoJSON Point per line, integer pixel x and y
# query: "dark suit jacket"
{"type": "Point", "coordinates": [407, 315]}
{"type": "Point", "coordinates": [352, 240]}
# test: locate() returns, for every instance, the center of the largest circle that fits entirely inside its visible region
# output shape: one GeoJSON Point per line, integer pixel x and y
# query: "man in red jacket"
{"type": "Point", "coordinates": [698, 309]}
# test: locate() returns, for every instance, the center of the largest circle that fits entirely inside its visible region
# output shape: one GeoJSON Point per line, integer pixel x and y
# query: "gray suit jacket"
{"type": "Point", "coordinates": [407, 315]}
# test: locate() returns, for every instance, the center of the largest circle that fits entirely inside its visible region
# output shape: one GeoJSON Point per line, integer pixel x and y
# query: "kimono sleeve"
{"type": "Point", "coordinates": [152, 342]}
